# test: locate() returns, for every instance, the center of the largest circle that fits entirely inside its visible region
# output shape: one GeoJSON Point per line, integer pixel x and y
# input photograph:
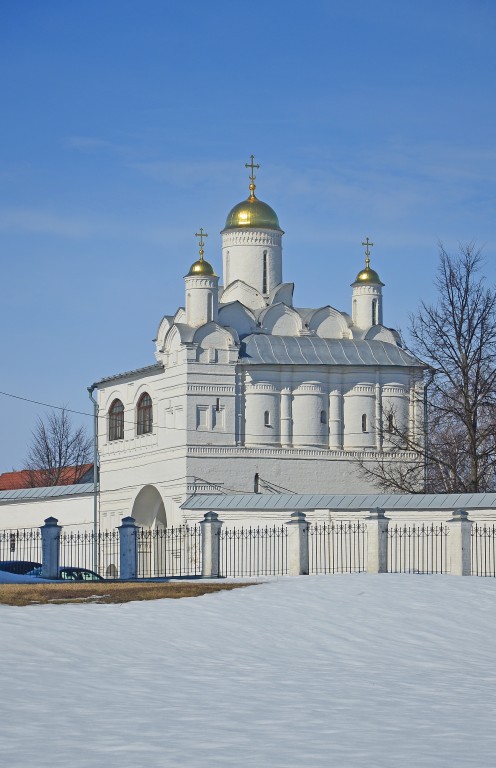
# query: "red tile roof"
{"type": "Point", "coordinates": [11, 481]}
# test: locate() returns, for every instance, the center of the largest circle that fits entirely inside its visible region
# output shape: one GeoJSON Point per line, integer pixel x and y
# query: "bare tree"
{"type": "Point", "coordinates": [456, 338]}
{"type": "Point", "coordinates": [57, 446]}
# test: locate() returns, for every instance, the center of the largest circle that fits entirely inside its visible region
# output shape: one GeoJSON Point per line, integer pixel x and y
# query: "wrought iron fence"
{"type": "Point", "coordinates": [261, 551]}
{"type": "Point", "coordinates": [418, 548]}
{"type": "Point", "coordinates": [77, 549]}
{"type": "Point", "coordinates": [483, 550]}
{"type": "Point", "coordinates": [337, 547]}
{"type": "Point", "coordinates": [21, 544]}
{"type": "Point", "coordinates": [169, 551]}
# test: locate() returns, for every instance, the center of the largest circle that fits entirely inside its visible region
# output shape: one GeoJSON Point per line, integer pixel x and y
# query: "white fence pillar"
{"type": "Point", "coordinates": [460, 543]}
{"type": "Point", "coordinates": [377, 541]}
{"type": "Point", "coordinates": [210, 536]}
{"type": "Point", "coordinates": [50, 548]}
{"type": "Point", "coordinates": [298, 560]}
{"type": "Point", "coordinates": [128, 548]}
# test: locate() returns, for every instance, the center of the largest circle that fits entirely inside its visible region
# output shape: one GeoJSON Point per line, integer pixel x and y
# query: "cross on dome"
{"type": "Point", "coordinates": [367, 245]}
{"type": "Point", "coordinates": [252, 165]}
{"type": "Point", "coordinates": [201, 235]}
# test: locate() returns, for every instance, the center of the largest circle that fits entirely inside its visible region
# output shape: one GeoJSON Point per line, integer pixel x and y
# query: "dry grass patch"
{"type": "Point", "coordinates": [104, 592]}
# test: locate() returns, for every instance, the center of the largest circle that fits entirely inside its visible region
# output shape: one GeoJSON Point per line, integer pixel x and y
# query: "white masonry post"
{"type": "Point", "coordinates": [128, 549]}
{"type": "Point", "coordinates": [460, 543]}
{"type": "Point", "coordinates": [50, 548]}
{"type": "Point", "coordinates": [377, 541]}
{"type": "Point", "coordinates": [298, 561]}
{"type": "Point", "coordinates": [210, 538]}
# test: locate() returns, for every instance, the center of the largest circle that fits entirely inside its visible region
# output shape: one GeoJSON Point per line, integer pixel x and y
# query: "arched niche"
{"type": "Point", "coordinates": [148, 508]}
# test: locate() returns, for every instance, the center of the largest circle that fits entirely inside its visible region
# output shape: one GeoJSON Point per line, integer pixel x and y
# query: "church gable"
{"type": "Point", "coordinates": [281, 320]}
{"type": "Point", "coordinates": [328, 323]}
{"type": "Point", "coordinates": [238, 316]}
{"type": "Point", "coordinates": [380, 333]}
{"type": "Point", "coordinates": [245, 294]}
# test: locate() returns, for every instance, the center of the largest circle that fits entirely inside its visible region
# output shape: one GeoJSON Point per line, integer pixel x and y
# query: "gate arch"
{"type": "Point", "coordinates": [148, 508]}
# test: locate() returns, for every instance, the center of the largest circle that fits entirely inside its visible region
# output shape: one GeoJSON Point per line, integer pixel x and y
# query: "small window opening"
{"type": "Point", "coordinates": [354, 318]}
{"type": "Point", "coordinates": [364, 422]}
{"type": "Point", "coordinates": [390, 423]}
{"type": "Point", "coordinates": [144, 415]}
{"type": "Point", "coordinates": [116, 421]}
{"type": "Point", "coordinates": [323, 417]}
{"type": "Point", "coordinates": [374, 311]}
{"type": "Point", "coordinates": [264, 277]}
{"type": "Point", "coordinates": [267, 418]}
{"type": "Point", "coordinates": [217, 405]}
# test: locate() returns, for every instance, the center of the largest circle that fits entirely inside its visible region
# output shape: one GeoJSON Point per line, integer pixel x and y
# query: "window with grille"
{"type": "Point", "coordinates": [144, 413]}
{"type": "Point", "coordinates": [116, 421]}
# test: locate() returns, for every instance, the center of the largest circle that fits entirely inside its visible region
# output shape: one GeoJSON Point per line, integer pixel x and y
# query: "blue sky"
{"type": "Point", "coordinates": [126, 126]}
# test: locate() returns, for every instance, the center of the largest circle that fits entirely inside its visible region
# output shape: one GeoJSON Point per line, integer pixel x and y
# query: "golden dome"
{"type": "Point", "coordinates": [252, 213]}
{"type": "Point", "coordinates": [368, 275]}
{"type": "Point", "coordinates": [201, 267]}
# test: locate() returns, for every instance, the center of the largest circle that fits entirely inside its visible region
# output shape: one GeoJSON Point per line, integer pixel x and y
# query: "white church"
{"type": "Point", "coordinates": [249, 393]}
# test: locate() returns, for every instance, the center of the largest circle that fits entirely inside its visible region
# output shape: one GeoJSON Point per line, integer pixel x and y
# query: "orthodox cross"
{"type": "Point", "coordinates": [367, 245]}
{"type": "Point", "coordinates": [252, 165]}
{"type": "Point", "coordinates": [201, 235]}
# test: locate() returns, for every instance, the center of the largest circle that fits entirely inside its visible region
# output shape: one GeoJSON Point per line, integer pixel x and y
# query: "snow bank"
{"type": "Point", "coordinates": [351, 671]}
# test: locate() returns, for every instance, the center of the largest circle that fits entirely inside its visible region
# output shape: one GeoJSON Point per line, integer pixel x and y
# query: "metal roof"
{"type": "Point", "coordinates": [53, 491]}
{"type": "Point", "coordinates": [155, 368]}
{"type": "Point", "coordinates": [293, 502]}
{"type": "Point", "coordinates": [258, 348]}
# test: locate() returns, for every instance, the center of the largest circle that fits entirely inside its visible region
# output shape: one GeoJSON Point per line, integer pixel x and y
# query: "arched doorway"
{"type": "Point", "coordinates": [148, 509]}
{"type": "Point", "coordinates": [149, 513]}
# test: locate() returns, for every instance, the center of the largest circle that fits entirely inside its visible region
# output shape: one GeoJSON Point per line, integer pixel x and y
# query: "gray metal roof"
{"type": "Point", "coordinates": [312, 350]}
{"type": "Point", "coordinates": [155, 368]}
{"type": "Point", "coordinates": [293, 502]}
{"type": "Point", "coordinates": [53, 491]}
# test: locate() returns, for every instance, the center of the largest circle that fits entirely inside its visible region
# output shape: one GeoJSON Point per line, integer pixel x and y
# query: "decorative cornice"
{"type": "Point", "coordinates": [250, 237]}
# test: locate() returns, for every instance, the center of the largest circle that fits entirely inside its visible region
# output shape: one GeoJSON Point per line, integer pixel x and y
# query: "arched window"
{"type": "Point", "coordinates": [374, 311]}
{"type": "Point", "coordinates": [390, 422]}
{"type": "Point", "coordinates": [364, 422]}
{"type": "Point", "coordinates": [267, 418]}
{"type": "Point", "coordinates": [144, 414]}
{"type": "Point", "coordinates": [264, 274]}
{"type": "Point", "coordinates": [323, 417]}
{"type": "Point", "coordinates": [116, 421]}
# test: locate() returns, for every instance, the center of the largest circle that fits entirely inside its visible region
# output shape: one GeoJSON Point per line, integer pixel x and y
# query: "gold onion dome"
{"type": "Point", "coordinates": [368, 275]}
{"type": "Point", "coordinates": [201, 267]}
{"type": "Point", "coordinates": [252, 213]}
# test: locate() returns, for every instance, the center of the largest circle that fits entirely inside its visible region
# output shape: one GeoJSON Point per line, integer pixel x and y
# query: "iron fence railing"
{"type": "Point", "coordinates": [418, 548]}
{"type": "Point", "coordinates": [337, 547]}
{"type": "Point", "coordinates": [21, 544]}
{"type": "Point", "coordinates": [164, 552]}
{"type": "Point", "coordinates": [261, 551]}
{"type": "Point", "coordinates": [77, 549]}
{"type": "Point", "coordinates": [483, 550]}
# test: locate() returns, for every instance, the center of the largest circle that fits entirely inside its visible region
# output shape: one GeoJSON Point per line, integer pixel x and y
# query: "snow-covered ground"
{"type": "Point", "coordinates": [347, 671]}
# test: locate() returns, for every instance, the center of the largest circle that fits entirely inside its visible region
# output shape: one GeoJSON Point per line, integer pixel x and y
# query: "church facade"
{"type": "Point", "coordinates": [249, 393]}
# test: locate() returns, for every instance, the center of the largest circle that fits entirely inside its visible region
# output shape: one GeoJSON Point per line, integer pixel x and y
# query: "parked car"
{"type": "Point", "coordinates": [71, 573]}
{"type": "Point", "coordinates": [22, 567]}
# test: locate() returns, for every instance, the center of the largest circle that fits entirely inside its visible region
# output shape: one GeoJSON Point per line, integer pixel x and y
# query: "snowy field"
{"type": "Point", "coordinates": [349, 671]}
